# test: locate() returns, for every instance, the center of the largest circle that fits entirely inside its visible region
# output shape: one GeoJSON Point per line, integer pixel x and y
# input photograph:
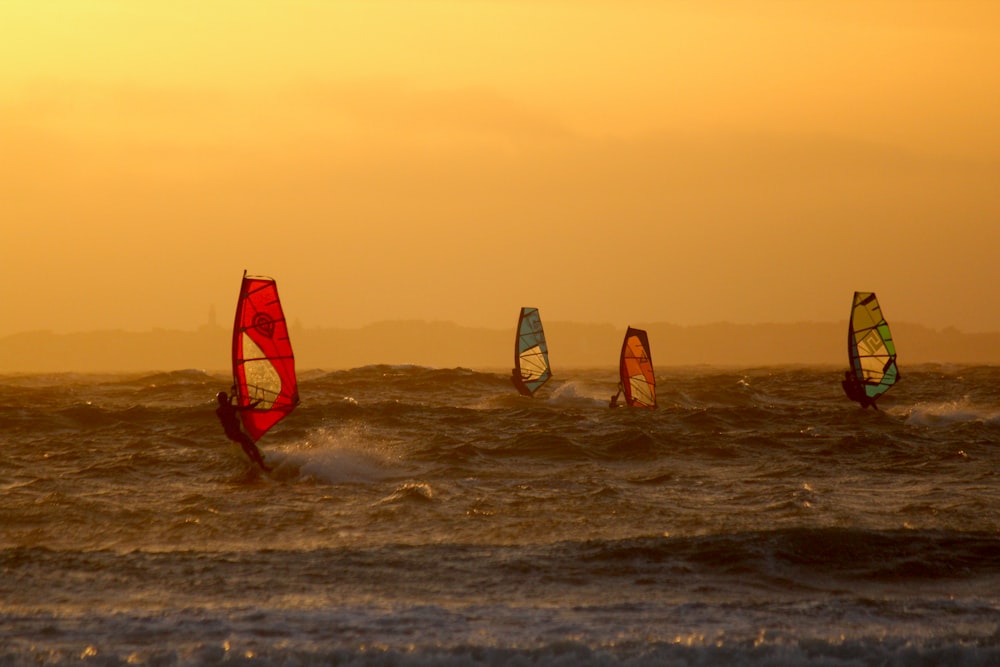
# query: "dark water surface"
{"type": "Point", "coordinates": [432, 516]}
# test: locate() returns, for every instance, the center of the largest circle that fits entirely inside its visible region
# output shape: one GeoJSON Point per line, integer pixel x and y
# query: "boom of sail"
{"type": "Point", "coordinates": [263, 364]}
{"type": "Point", "coordinates": [870, 350]}
{"type": "Point", "coordinates": [531, 354]}
{"type": "Point", "coordinates": [636, 370]}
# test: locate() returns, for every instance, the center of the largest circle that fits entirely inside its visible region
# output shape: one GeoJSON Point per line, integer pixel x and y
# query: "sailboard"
{"type": "Point", "coordinates": [870, 350]}
{"type": "Point", "coordinates": [531, 353]}
{"type": "Point", "coordinates": [638, 383]}
{"type": "Point", "coordinates": [263, 363]}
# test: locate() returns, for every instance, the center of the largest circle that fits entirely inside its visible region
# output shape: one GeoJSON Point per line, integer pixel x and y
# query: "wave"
{"type": "Point", "coordinates": [405, 376]}
{"type": "Point", "coordinates": [806, 554]}
{"type": "Point", "coordinates": [574, 394]}
{"type": "Point", "coordinates": [162, 640]}
{"type": "Point", "coordinates": [186, 376]}
{"type": "Point", "coordinates": [780, 597]}
{"type": "Point", "coordinates": [410, 492]}
{"type": "Point", "coordinates": [333, 456]}
{"type": "Point", "coordinates": [810, 556]}
{"type": "Point", "coordinates": [536, 444]}
{"type": "Point", "coordinates": [953, 412]}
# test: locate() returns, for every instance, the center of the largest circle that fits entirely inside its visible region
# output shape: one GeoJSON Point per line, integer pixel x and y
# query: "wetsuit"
{"type": "Point", "coordinates": [231, 424]}
{"type": "Point", "coordinates": [855, 391]}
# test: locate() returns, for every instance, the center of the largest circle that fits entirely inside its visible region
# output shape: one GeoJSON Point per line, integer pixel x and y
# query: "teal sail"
{"type": "Point", "coordinates": [870, 350]}
{"type": "Point", "coordinates": [531, 354]}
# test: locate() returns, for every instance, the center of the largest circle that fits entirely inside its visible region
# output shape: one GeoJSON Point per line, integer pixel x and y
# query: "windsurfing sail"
{"type": "Point", "coordinates": [263, 363]}
{"type": "Point", "coordinates": [531, 354]}
{"type": "Point", "coordinates": [870, 350]}
{"type": "Point", "coordinates": [636, 370]}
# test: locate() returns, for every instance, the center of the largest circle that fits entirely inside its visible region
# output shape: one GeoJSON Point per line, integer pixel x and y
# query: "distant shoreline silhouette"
{"type": "Point", "coordinates": [449, 345]}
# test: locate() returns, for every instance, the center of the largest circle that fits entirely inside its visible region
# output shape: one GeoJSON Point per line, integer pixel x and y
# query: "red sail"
{"type": "Point", "coordinates": [263, 363]}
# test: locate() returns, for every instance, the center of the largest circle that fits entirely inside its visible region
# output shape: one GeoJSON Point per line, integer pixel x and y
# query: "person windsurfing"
{"type": "Point", "coordinates": [855, 390]}
{"type": "Point", "coordinates": [228, 415]}
{"type": "Point", "coordinates": [613, 403]}
{"type": "Point", "coordinates": [517, 377]}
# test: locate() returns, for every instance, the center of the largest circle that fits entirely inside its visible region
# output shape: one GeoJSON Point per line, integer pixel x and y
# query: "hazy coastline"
{"type": "Point", "coordinates": [446, 344]}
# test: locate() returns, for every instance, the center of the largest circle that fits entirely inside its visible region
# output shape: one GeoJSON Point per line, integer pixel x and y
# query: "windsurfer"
{"type": "Point", "coordinates": [227, 414]}
{"type": "Point", "coordinates": [856, 391]}
{"type": "Point", "coordinates": [517, 377]}
{"type": "Point", "coordinates": [613, 403]}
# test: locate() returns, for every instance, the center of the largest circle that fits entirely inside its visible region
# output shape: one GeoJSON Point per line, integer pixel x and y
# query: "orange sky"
{"type": "Point", "coordinates": [622, 162]}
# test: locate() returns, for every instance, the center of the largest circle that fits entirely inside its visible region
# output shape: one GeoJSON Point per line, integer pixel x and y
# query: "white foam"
{"type": "Point", "coordinates": [578, 394]}
{"type": "Point", "coordinates": [333, 456]}
{"type": "Point", "coordinates": [946, 413]}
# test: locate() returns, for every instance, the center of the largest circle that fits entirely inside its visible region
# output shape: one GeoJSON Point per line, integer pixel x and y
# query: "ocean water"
{"type": "Point", "coordinates": [425, 516]}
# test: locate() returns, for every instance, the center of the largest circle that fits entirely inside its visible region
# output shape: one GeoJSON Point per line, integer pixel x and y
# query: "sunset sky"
{"type": "Point", "coordinates": [623, 161]}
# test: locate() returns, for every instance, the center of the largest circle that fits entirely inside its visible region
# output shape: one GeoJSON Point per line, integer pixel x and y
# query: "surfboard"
{"type": "Point", "coordinates": [531, 353]}
{"type": "Point", "coordinates": [263, 362]}
{"type": "Point", "coordinates": [638, 382]}
{"type": "Point", "coordinates": [871, 352]}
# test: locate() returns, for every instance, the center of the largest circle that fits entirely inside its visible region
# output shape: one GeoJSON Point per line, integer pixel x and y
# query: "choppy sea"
{"type": "Point", "coordinates": [430, 516]}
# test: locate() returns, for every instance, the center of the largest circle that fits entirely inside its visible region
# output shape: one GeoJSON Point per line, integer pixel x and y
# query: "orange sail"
{"type": "Point", "coordinates": [636, 370]}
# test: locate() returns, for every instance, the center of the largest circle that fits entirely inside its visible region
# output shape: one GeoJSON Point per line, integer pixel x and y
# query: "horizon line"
{"type": "Point", "coordinates": [296, 325]}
